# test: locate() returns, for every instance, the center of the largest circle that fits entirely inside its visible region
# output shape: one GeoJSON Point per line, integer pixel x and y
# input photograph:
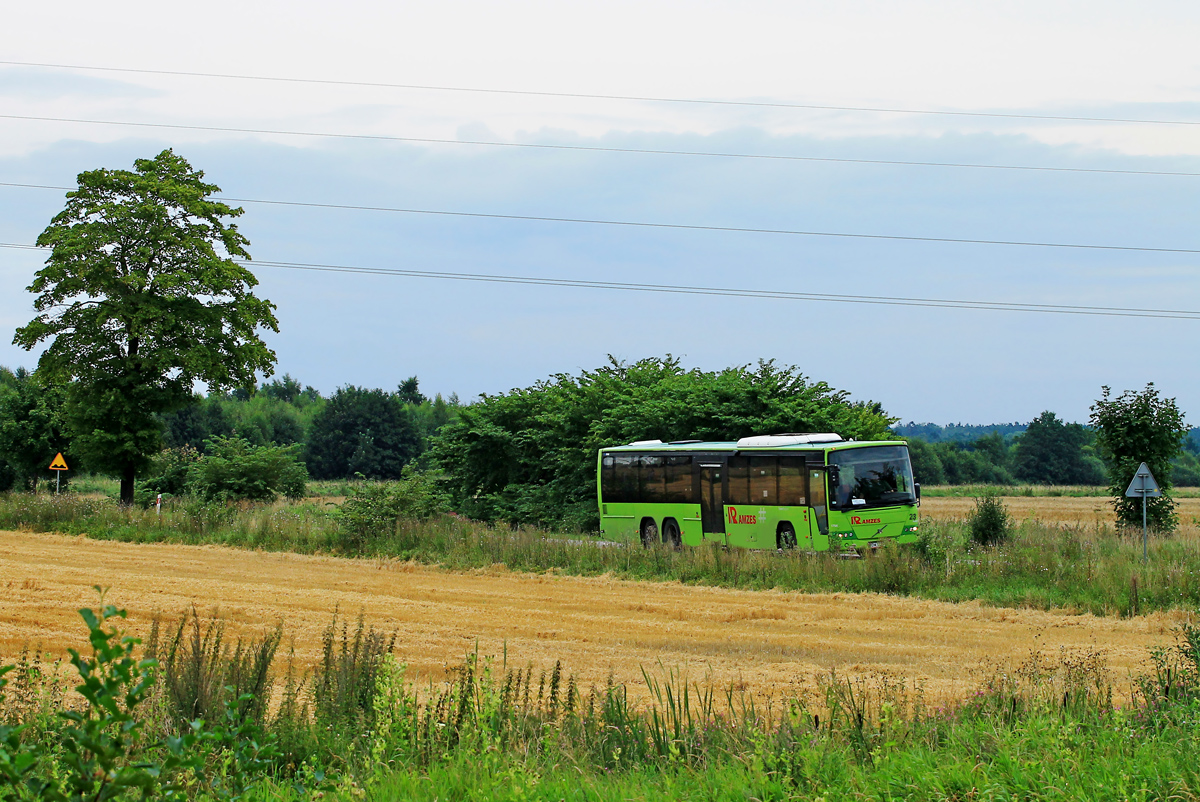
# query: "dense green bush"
{"type": "Point", "coordinates": [989, 523]}
{"type": "Point", "coordinates": [1185, 470]}
{"type": "Point", "coordinates": [32, 428]}
{"type": "Point", "coordinates": [529, 455]}
{"type": "Point", "coordinates": [233, 469]}
{"type": "Point", "coordinates": [167, 474]}
{"type": "Point", "coordinates": [361, 431]}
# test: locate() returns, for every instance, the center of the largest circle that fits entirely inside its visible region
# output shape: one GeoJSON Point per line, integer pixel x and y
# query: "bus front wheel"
{"type": "Point", "coordinates": [671, 534]}
{"type": "Point", "coordinates": [786, 537]}
{"type": "Point", "coordinates": [649, 532]}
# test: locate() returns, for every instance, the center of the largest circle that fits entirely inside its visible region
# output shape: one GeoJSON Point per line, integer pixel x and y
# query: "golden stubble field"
{"type": "Point", "coordinates": [770, 642]}
{"type": "Point", "coordinates": [1087, 511]}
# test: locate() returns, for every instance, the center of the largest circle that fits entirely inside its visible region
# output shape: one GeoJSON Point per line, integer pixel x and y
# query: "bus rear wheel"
{"type": "Point", "coordinates": [671, 534]}
{"type": "Point", "coordinates": [786, 537]}
{"type": "Point", "coordinates": [649, 533]}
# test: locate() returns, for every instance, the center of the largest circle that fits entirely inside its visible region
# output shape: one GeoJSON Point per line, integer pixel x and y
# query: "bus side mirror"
{"type": "Point", "coordinates": [917, 486]}
{"type": "Point", "coordinates": [835, 475]}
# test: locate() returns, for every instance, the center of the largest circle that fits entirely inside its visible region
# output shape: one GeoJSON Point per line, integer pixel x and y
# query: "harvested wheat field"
{"type": "Point", "coordinates": [773, 642]}
{"type": "Point", "coordinates": [1087, 511]}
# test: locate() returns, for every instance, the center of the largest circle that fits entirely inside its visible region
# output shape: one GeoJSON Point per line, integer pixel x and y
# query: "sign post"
{"type": "Point", "coordinates": [1143, 485]}
{"type": "Point", "coordinates": [58, 466]}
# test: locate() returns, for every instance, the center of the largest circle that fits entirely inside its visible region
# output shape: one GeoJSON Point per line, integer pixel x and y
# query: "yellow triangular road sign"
{"type": "Point", "coordinates": [59, 463]}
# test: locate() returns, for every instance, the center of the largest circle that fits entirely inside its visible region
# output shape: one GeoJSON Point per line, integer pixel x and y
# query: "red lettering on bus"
{"type": "Point", "coordinates": [855, 519]}
{"type": "Point", "coordinates": [734, 518]}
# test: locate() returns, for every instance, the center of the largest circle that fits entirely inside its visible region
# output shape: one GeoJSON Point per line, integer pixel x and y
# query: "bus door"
{"type": "Point", "coordinates": [817, 499]}
{"type": "Point", "coordinates": [712, 498]}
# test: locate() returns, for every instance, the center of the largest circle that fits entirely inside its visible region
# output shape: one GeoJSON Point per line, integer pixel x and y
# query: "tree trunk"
{"type": "Point", "coordinates": [127, 477]}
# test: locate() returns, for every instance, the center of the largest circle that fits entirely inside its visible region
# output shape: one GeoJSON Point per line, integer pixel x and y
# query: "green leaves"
{"type": "Point", "coordinates": [140, 298]}
{"type": "Point", "coordinates": [373, 509]}
{"type": "Point", "coordinates": [1131, 429]}
{"type": "Point", "coordinates": [1055, 453]}
{"type": "Point", "coordinates": [234, 469]}
{"type": "Point", "coordinates": [99, 742]}
{"type": "Point", "coordinates": [529, 456]}
{"type": "Point", "coordinates": [361, 431]}
{"type": "Point", "coordinates": [32, 426]}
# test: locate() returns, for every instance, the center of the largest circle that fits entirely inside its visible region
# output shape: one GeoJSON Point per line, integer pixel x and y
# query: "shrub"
{"type": "Point", "coordinates": [168, 473]}
{"type": "Point", "coordinates": [936, 541]}
{"type": "Point", "coordinates": [989, 522]}
{"type": "Point", "coordinates": [372, 509]}
{"type": "Point", "coordinates": [529, 456]}
{"type": "Point", "coordinates": [234, 470]}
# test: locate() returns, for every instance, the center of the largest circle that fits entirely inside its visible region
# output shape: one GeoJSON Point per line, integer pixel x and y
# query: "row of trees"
{"type": "Point", "coordinates": [1047, 451]}
{"type": "Point", "coordinates": [355, 431]}
{"type": "Point", "coordinates": [529, 455]}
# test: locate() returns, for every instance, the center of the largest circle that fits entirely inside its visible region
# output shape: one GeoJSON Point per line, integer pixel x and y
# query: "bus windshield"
{"type": "Point", "coordinates": [875, 476]}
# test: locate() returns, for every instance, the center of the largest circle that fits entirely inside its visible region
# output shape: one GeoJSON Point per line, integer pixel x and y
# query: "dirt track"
{"type": "Point", "coordinates": [772, 641]}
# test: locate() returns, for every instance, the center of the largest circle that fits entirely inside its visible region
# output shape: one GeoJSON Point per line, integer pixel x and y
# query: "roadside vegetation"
{"type": "Point", "coordinates": [186, 716]}
{"type": "Point", "coordinates": [1087, 568]}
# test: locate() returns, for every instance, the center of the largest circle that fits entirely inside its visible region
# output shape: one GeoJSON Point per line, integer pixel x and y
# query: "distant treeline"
{"type": "Point", "coordinates": [1046, 451]}
{"type": "Point", "coordinates": [354, 431]}
{"type": "Point", "coordinates": [957, 432]}
{"type": "Point", "coordinates": [529, 454]}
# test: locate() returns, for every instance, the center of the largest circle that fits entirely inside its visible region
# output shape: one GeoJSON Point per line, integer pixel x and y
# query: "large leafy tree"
{"type": "Point", "coordinates": [1131, 429]}
{"type": "Point", "coordinates": [530, 455]}
{"type": "Point", "coordinates": [141, 297]}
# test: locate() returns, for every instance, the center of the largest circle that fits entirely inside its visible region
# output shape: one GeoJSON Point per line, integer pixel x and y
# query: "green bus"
{"type": "Point", "coordinates": [809, 491]}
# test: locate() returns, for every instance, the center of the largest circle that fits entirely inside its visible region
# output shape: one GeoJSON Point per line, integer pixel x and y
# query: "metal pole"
{"type": "Point", "coordinates": [57, 481]}
{"type": "Point", "coordinates": [1145, 537]}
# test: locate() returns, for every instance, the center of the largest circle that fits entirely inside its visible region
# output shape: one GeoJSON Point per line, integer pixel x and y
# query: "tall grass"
{"type": "Point", "coordinates": [1045, 729]}
{"type": "Point", "coordinates": [1086, 568]}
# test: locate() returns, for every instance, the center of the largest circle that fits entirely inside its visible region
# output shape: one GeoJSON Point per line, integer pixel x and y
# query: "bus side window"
{"type": "Point", "coordinates": [679, 480]}
{"type": "Point", "coordinates": [763, 485]}
{"type": "Point", "coordinates": [625, 479]}
{"type": "Point", "coordinates": [652, 479]}
{"type": "Point", "coordinates": [739, 481]}
{"type": "Point", "coordinates": [793, 482]}
{"type": "Point", "coordinates": [606, 478]}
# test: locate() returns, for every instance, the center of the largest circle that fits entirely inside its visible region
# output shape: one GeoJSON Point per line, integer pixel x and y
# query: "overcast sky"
{"type": "Point", "coordinates": [1076, 59]}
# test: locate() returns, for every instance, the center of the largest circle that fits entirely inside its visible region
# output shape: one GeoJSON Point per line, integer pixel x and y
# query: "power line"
{"type": "Point", "coordinates": [674, 289]}
{"type": "Point", "coordinates": [593, 96]}
{"type": "Point", "coordinates": [678, 226]}
{"type": "Point", "coordinates": [591, 148]}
